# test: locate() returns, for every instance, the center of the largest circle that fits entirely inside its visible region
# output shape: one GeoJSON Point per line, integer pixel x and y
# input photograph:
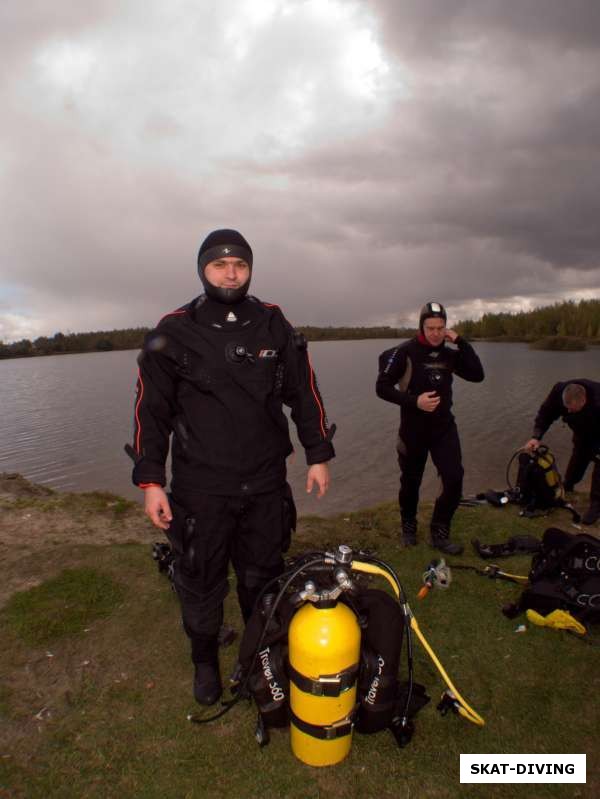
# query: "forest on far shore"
{"type": "Point", "coordinates": [566, 320]}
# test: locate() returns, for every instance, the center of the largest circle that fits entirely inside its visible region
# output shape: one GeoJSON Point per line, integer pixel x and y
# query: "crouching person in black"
{"type": "Point", "coordinates": [213, 377]}
{"type": "Point", "coordinates": [417, 375]}
{"type": "Point", "coordinates": [577, 402]}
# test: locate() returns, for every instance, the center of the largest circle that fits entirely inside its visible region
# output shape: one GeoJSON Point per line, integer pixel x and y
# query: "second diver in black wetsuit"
{"type": "Point", "coordinates": [417, 375]}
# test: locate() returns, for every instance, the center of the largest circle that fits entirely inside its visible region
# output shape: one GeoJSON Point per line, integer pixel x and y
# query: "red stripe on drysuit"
{"type": "Point", "coordinates": [316, 396]}
{"type": "Point", "coordinates": [137, 416]}
{"type": "Point", "coordinates": [141, 391]}
{"type": "Point", "coordinates": [174, 313]}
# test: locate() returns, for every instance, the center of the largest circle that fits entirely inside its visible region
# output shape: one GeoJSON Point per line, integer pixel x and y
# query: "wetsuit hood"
{"type": "Point", "coordinates": [224, 243]}
{"type": "Point", "coordinates": [431, 310]}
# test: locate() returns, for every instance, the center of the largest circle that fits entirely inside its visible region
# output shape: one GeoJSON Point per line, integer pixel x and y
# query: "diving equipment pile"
{"type": "Point", "coordinates": [564, 575]}
{"type": "Point", "coordinates": [321, 653]}
{"type": "Point", "coordinates": [537, 488]}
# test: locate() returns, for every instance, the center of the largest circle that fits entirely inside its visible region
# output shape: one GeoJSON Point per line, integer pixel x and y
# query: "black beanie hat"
{"type": "Point", "coordinates": [224, 244]}
{"type": "Point", "coordinates": [432, 310]}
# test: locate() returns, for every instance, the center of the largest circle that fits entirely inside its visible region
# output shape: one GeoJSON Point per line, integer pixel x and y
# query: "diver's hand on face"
{"type": "Point", "coordinates": [157, 508]}
{"type": "Point", "coordinates": [318, 473]}
{"type": "Point", "coordinates": [428, 401]}
{"type": "Point", "coordinates": [451, 335]}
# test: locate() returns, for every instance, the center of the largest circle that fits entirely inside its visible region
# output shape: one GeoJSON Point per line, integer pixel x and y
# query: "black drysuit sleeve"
{"type": "Point", "coordinates": [550, 410]}
{"type": "Point", "coordinates": [467, 364]}
{"type": "Point", "coordinates": [300, 392]}
{"type": "Point", "coordinates": [394, 368]}
{"type": "Point", "coordinates": [154, 411]}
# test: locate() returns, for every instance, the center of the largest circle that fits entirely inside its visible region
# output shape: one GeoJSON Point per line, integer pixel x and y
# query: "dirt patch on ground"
{"type": "Point", "coordinates": [36, 522]}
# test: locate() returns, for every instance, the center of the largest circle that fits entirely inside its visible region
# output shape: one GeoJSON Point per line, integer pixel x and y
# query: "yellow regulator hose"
{"type": "Point", "coordinates": [464, 708]}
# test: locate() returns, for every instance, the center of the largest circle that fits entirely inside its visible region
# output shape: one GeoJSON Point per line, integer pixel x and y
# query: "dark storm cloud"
{"type": "Point", "coordinates": [468, 172]}
{"type": "Point", "coordinates": [485, 187]}
{"type": "Point", "coordinates": [431, 29]}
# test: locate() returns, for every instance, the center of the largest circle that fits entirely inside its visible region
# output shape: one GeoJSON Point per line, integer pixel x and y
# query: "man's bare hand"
{"type": "Point", "coordinates": [451, 335]}
{"type": "Point", "coordinates": [428, 401]}
{"type": "Point", "coordinates": [157, 508]}
{"type": "Point", "coordinates": [532, 444]}
{"type": "Point", "coordinates": [318, 473]}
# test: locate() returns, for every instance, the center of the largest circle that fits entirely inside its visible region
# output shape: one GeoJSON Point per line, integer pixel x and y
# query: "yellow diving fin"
{"type": "Point", "coordinates": [558, 620]}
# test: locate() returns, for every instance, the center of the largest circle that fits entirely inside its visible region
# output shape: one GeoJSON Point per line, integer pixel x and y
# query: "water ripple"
{"type": "Point", "coordinates": [65, 419]}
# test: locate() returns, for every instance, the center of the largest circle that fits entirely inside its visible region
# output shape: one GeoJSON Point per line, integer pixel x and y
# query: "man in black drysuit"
{"type": "Point", "coordinates": [213, 375]}
{"type": "Point", "coordinates": [417, 375]}
{"type": "Point", "coordinates": [577, 402]}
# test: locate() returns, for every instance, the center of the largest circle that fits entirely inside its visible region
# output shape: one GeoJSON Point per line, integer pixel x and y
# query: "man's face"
{"type": "Point", "coordinates": [434, 331]}
{"type": "Point", "coordinates": [574, 406]}
{"type": "Point", "coordinates": [227, 273]}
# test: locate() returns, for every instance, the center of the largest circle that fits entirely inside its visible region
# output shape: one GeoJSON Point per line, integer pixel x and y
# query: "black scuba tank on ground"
{"type": "Point", "coordinates": [565, 575]}
{"type": "Point", "coordinates": [539, 486]}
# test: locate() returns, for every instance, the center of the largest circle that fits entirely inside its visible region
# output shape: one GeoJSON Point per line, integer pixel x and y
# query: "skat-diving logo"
{"type": "Point", "coordinates": [268, 353]}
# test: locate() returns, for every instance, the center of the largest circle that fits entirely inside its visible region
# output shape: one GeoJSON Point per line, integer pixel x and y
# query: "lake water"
{"type": "Point", "coordinates": [65, 418]}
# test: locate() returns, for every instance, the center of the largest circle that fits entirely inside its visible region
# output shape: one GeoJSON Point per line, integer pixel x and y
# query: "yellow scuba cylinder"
{"type": "Point", "coordinates": [324, 652]}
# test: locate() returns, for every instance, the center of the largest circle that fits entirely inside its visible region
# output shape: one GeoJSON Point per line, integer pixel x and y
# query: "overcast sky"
{"type": "Point", "coordinates": [376, 154]}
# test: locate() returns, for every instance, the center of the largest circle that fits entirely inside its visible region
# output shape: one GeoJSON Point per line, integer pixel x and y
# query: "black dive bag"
{"type": "Point", "coordinates": [565, 574]}
{"type": "Point", "coordinates": [263, 659]}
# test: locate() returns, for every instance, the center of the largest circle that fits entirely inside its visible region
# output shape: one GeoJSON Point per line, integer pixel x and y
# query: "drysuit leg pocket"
{"type": "Point", "coordinates": [289, 518]}
{"type": "Point", "coordinates": [186, 541]}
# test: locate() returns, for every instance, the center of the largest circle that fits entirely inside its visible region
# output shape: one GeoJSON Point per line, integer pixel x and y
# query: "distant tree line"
{"type": "Point", "coordinates": [579, 319]}
{"type": "Point", "coordinates": [566, 319]}
{"type": "Point", "coordinates": [133, 338]}
{"type": "Point", "coordinates": [59, 343]}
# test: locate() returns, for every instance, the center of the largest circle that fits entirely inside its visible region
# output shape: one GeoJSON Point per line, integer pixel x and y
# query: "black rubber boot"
{"type": "Point", "coordinates": [207, 678]}
{"type": "Point", "coordinates": [592, 514]}
{"type": "Point", "coordinates": [440, 539]}
{"type": "Point", "coordinates": [409, 532]}
{"type": "Point", "coordinates": [207, 683]}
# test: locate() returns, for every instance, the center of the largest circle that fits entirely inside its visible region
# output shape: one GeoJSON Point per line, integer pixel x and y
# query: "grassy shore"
{"type": "Point", "coordinates": [96, 677]}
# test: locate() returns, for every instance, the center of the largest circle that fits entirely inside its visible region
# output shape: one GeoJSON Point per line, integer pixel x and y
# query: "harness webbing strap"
{"type": "Point", "coordinates": [326, 733]}
{"type": "Point", "coordinates": [325, 684]}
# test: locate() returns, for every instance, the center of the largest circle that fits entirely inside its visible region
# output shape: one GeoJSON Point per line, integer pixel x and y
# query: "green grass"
{"type": "Point", "coordinates": [64, 605]}
{"type": "Point", "coordinates": [79, 505]}
{"type": "Point", "coordinates": [115, 699]}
